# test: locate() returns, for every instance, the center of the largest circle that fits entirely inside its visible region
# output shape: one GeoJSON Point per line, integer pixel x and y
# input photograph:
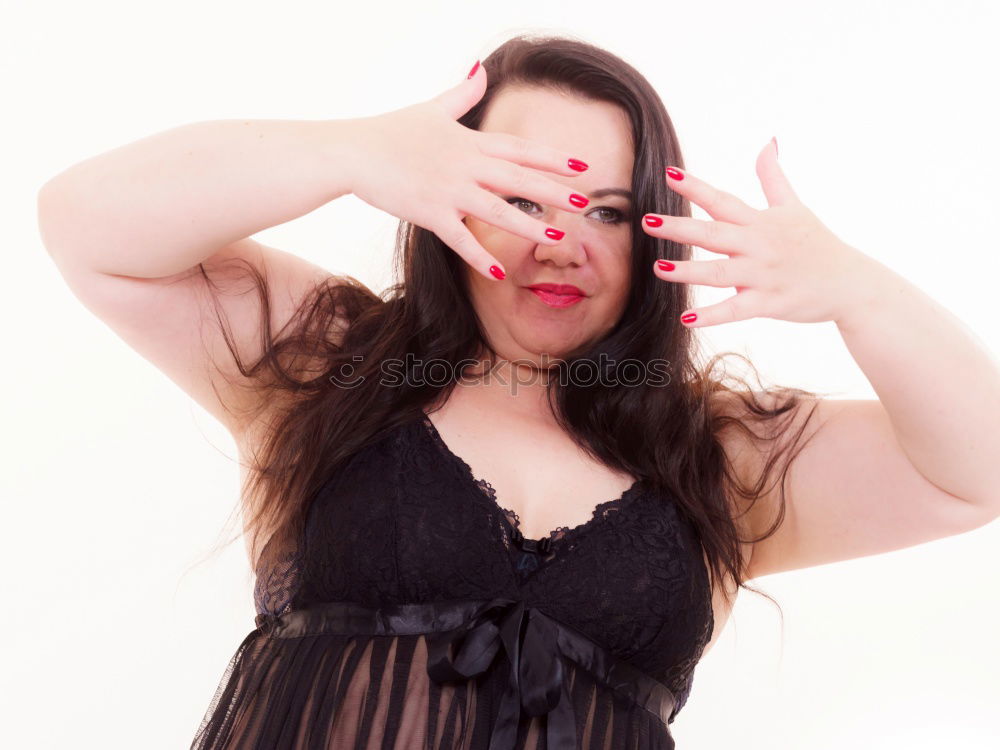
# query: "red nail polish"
{"type": "Point", "coordinates": [555, 234]}
{"type": "Point", "coordinates": [689, 318]}
{"type": "Point", "coordinates": [675, 173]}
{"type": "Point", "coordinates": [578, 165]}
{"type": "Point", "coordinates": [473, 71]}
{"type": "Point", "coordinates": [578, 200]}
{"type": "Point", "coordinates": [498, 272]}
{"type": "Point", "coordinates": [665, 265]}
{"type": "Point", "coordinates": [653, 221]}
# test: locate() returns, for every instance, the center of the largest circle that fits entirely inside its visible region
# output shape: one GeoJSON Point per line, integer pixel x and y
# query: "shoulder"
{"type": "Point", "coordinates": [752, 444]}
{"type": "Point", "coordinates": [751, 420]}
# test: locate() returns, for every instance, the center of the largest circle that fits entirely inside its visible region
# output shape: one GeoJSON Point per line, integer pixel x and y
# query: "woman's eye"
{"type": "Point", "coordinates": [618, 216]}
{"type": "Point", "coordinates": [520, 200]}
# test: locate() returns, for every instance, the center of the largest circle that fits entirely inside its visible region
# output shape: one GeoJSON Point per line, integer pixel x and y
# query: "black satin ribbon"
{"type": "Point", "coordinates": [535, 682]}
{"type": "Point", "coordinates": [535, 646]}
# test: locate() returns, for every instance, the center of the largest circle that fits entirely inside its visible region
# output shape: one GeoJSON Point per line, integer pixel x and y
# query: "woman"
{"type": "Point", "coordinates": [540, 557]}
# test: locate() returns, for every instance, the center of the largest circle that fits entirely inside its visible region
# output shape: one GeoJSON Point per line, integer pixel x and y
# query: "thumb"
{"type": "Point", "coordinates": [459, 99]}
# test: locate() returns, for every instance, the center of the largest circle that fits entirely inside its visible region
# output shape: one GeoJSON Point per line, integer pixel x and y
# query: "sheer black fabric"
{"type": "Point", "coordinates": [414, 614]}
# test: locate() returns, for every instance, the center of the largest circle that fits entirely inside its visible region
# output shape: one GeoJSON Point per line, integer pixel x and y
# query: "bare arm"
{"type": "Point", "coordinates": [128, 228]}
{"type": "Point", "coordinates": [167, 202]}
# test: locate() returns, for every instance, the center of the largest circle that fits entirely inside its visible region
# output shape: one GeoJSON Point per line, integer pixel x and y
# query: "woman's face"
{"type": "Point", "coordinates": [594, 254]}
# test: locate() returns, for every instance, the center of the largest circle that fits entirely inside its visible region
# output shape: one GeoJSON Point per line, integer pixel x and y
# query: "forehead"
{"type": "Point", "coordinates": [596, 131]}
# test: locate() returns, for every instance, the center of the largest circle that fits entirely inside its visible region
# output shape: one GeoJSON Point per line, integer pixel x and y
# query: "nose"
{"type": "Point", "coordinates": [567, 251]}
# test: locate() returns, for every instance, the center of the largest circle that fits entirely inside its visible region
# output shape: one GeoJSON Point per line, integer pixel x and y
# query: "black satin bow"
{"type": "Point", "coordinates": [531, 641]}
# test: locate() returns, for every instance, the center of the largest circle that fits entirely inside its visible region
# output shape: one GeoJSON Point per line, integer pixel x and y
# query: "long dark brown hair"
{"type": "Point", "coordinates": [343, 332]}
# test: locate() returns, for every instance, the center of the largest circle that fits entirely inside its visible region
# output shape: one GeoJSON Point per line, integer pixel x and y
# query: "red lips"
{"type": "Point", "coordinates": [559, 289]}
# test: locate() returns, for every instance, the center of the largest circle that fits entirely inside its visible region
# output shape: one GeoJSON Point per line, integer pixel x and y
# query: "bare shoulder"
{"type": "Point", "coordinates": [749, 443]}
{"type": "Point", "coordinates": [839, 486]}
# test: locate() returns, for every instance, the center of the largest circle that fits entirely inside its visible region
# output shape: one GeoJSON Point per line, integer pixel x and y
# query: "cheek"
{"type": "Point", "coordinates": [618, 274]}
{"type": "Point", "coordinates": [621, 290]}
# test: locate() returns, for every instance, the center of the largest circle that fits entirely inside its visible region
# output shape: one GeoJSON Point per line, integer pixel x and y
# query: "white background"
{"type": "Point", "coordinates": [115, 483]}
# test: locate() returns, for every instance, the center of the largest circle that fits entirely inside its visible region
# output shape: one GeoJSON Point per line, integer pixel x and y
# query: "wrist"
{"type": "Point", "coordinates": [340, 147]}
{"type": "Point", "coordinates": [869, 290]}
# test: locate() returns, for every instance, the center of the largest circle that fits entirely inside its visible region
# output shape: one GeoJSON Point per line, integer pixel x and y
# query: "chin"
{"type": "Point", "coordinates": [553, 349]}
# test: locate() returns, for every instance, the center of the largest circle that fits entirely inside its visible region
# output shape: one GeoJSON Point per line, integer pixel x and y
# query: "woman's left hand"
{"type": "Point", "coordinates": [784, 263]}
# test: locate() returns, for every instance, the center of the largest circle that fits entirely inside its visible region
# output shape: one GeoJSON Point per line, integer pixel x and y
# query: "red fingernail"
{"type": "Point", "coordinates": [689, 318]}
{"type": "Point", "coordinates": [473, 71]}
{"type": "Point", "coordinates": [555, 234]}
{"type": "Point", "coordinates": [578, 165]}
{"type": "Point", "coordinates": [675, 173]}
{"type": "Point", "coordinates": [653, 221]}
{"type": "Point", "coordinates": [498, 272]}
{"type": "Point", "coordinates": [665, 265]}
{"type": "Point", "coordinates": [578, 200]}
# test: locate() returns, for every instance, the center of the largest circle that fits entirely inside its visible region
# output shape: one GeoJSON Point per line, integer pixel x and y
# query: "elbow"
{"type": "Point", "coordinates": [51, 215]}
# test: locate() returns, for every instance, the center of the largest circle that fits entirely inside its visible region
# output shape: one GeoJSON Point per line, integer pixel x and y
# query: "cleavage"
{"type": "Point", "coordinates": [568, 515]}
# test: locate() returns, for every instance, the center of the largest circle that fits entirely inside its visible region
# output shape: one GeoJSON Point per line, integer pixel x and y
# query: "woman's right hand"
{"type": "Point", "coordinates": [420, 165]}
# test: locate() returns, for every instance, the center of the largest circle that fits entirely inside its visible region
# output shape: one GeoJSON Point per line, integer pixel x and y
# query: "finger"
{"type": "Point", "coordinates": [717, 273]}
{"type": "Point", "coordinates": [494, 210]}
{"type": "Point", "coordinates": [458, 237]}
{"type": "Point", "coordinates": [777, 189]}
{"type": "Point", "coordinates": [738, 307]}
{"type": "Point", "coordinates": [717, 236]}
{"type": "Point", "coordinates": [528, 153]}
{"type": "Point", "coordinates": [513, 180]}
{"type": "Point", "coordinates": [717, 203]}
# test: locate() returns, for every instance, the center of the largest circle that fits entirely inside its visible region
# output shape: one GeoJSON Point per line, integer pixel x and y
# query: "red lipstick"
{"type": "Point", "coordinates": [558, 295]}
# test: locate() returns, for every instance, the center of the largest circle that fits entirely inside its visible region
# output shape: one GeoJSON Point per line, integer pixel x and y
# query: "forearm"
{"type": "Point", "coordinates": [167, 202]}
{"type": "Point", "coordinates": [939, 384]}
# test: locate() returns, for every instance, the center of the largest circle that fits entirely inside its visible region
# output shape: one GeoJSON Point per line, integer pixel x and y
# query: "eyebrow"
{"type": "Point", "coordinates": [627, 194]}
